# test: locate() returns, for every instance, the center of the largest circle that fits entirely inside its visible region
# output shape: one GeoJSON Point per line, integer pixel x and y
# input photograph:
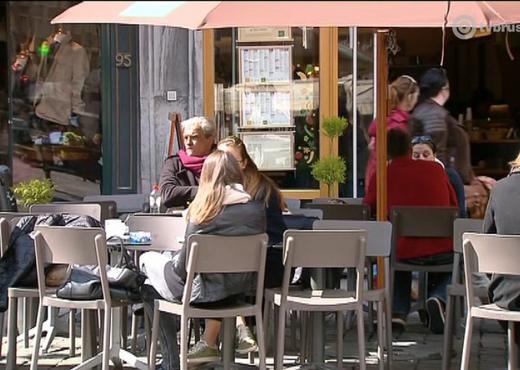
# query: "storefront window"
{"type": "Point", "coordinates": [267, 93]}
{"type": "Point", "coordinates": [356, 77]}
{"type": "Point", "coordinates": [56, 100]}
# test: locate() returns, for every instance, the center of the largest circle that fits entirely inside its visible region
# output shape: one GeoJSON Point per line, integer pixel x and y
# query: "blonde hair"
{"type": "Point", "coordinates": [400, 90]}
{"type": "Point", "coordinates": [515, 164]}
{"type": "Point", "coordinates": [220, 169]}
{"type": "Point", "coordinates": [258, 185]}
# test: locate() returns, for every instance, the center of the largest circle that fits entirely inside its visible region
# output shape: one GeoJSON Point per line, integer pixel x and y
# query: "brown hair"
{"type": "Point", "coordinates": [402, 88]}
{"type": "Point", "coordinates": [258, 185]}
{"type": "Point", "coordinates": [220, 169]}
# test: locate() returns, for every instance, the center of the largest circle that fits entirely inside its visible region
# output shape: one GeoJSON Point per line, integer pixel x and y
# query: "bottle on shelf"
{"type": "Point", "coordinates": [155, 199]}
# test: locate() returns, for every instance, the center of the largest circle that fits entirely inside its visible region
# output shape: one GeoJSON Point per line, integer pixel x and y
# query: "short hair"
{"type": "Point", "coordinates": [398, 143]}
{"type": "Point", "coordinates": [432, 82]}
{"type": "Point", "coordinates": [208, 127]}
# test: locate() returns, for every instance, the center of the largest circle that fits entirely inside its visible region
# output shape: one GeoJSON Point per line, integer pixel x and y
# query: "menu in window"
{"type": "Point", "coordinates": [265, 64]}
{"type": "Point", "coordinates": [266, 108]}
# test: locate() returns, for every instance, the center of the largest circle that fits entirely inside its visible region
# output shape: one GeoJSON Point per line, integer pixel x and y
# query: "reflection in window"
{"type": "Point", "coordinates": [56, 99]}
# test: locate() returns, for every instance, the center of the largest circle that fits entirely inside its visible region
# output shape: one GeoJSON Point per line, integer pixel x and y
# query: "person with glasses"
{"type": "Point", "coordinates": [402, 95]}
{"type": "Point", "coordinates": [416, 183]}
{"type": "Point", "coordinates": [423, 148]}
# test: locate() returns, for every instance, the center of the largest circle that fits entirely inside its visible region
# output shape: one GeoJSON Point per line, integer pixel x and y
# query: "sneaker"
{"type": "Point", "coordinates": [201, 352]}
{"type": "Point", "coordinates": [246, 342]}
{"type": "Point", "coordinates": [398, 324]}
{"type": "Point", "coordinates": [435, 309]}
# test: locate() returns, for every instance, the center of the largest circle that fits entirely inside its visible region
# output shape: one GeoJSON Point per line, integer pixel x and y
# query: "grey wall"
{"type": "Point", "coordinates": [170, 59]}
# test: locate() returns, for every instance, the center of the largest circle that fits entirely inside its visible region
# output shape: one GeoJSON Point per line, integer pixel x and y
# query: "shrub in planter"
{"type": "Point", "coordinates": [34, 192]}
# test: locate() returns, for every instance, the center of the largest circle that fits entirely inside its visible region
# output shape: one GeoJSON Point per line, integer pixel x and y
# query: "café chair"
{"type": "Point", "coordinates": [53, 245]}
{"type": "Point", "coordinates": [491, 254]}
{"type": "Point", "coordinates": [337, 249]}
{"type": "Point", "coordinates": [217, 254]}
{"type": "Point", "coordinates": [342, 211]}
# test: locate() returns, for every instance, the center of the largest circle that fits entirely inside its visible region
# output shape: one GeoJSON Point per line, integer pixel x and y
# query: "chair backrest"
{"type": "Point", "coordinates": [379, 234]}
{"type": "Point", "coordinates": [126, 203]}
{"type": "Point", "coordinates": [108, 208]}
{"type": "Point", "coordinates": [461, 226]}
{"type": "Point", "coordinates": [226, 254]}
{"type": "Point", "coordinates": [342, 211]}
{"type": "Point", "coordinates": [293, 204]}
{"type": "Point", "coordinates": [70, 245]}
{"type": "Point", "coordinates": [332, 200]}
{"type": "Point", "coordinates": [307, 212]}
{"type": "Point", "coordinates": [8, 221]}
{"type": "Point", "coordinates": [83, 209]}
{"type": "Point", "coordinates": [167, 231]}
{"type": "Point", "coordinates": [434, 222]}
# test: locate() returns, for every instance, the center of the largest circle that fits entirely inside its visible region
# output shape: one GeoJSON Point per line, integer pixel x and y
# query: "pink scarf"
{"type": "Point", "coordinates": [192, 163]}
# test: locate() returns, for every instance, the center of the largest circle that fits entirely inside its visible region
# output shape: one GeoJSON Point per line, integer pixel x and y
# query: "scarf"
{"type": "Point", "coordinates": [192, 163]}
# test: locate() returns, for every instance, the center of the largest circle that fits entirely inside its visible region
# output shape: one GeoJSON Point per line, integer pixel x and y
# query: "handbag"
{"type": "Point", "coordinates": [125, 281]}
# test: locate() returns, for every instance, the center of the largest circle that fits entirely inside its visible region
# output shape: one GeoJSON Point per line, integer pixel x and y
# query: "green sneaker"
{"type": "Point", "coordinates": [201, 352]}
{"type": "Point", "coordinates": [246, 342]}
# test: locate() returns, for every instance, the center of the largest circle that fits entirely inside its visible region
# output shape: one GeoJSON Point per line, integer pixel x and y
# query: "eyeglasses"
{"type": "Point", "coordinates": [424, 139]}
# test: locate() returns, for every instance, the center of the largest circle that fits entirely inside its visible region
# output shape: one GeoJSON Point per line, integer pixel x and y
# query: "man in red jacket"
{"type": "Point", "coordinates": [417, 183]}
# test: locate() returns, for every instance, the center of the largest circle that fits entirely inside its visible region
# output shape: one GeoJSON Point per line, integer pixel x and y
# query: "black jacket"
{"type": "Point", "coordinates": [235, 220]}
{"type": "Point", "coordinates": [503, 217]}
{"type": "Point", "coordinates": [178, 184]}
{"type": "Point", "coordinates": [18, 264]}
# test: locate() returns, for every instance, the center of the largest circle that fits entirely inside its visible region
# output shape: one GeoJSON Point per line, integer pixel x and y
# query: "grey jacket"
{"type": "Point", "coordinates": [235, 220]}
{"type": "Point", "coordinates": [503, 217]}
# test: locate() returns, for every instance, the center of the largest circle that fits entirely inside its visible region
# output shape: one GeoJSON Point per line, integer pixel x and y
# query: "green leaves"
{"type": "Point", "coordinates": [330, 170]}
{"type": "Point", "coordinates": [34, 192]}
{"type": "Point", "coordinates": [334, 126]}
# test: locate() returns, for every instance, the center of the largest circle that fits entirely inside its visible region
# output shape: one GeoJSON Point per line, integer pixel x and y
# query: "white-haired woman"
{"type": "Point", "coordinates": [181, 172]}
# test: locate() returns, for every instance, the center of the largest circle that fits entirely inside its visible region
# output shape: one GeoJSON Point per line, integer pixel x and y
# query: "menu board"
{"type": "Point", "coordinates": [265, 64]}
{"type": "Point", "coordinates": [266, 108]}
{"type": "Point", "coordinates": [270, 150]}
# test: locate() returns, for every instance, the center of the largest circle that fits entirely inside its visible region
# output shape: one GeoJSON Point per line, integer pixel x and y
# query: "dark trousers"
{"type": "Point", "coordinates": [168, 328]}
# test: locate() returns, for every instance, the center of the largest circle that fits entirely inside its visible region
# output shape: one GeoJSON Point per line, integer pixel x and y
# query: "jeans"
{"type": "Point", "coordinates": [168, 328]}
{"type": "Point", "coordinates": [437, 283]}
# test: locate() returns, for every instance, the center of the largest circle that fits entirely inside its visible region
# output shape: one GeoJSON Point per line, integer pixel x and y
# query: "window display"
{"type": "Point", "coordinates": [56, 100]}
{"type": "Point", "coordinates": [270, 151]}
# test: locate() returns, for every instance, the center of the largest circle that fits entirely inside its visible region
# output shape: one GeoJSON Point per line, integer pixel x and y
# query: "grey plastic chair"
{"type": "Point", "coordinates": [126, 203]}
{"type": "Point", "coordinates": [52, 245]}
{"type": "Point", "coordinates": [492, 254]}
{"type": "Point", "coordinates": [307, 212]}
{"type": "Point", "coordinates": [378, 244]}
{"type": "Point", "coordinates": [336, 249]}
{"type": "Point", "coordinates": [346, 200]}
{"type": "Point", "coordinates": [84, 209]}
{"type": "Point", "coordinates": [342, 211]}
{"type": "Point", "coordinates": [217, 254]}
{"type": "Point", "coordinates": [420, 222]}
{"type": "Point", "coordinates": [457, 289]}
{"type": "Point", "coordinates": [108, 208]}
{"type": "Point", "coordinates": [293, 204]}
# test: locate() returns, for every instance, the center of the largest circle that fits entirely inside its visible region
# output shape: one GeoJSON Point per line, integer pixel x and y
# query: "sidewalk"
{"type": "Point", "coordinates": [416, 348]}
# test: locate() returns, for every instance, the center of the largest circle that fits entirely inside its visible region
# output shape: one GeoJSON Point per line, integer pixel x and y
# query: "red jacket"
{"type": "Point", "coordinates": [416, 183]}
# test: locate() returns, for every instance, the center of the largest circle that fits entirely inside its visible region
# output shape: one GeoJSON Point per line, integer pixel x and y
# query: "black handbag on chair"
{"type": "Point", "coordinates": [124, 279]}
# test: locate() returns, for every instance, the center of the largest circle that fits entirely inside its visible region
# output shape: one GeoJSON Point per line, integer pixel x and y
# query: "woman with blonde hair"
{"type": "Point", "coordinates": [402, 97]}
{"type": "Point", "coordinates": [220, 207]}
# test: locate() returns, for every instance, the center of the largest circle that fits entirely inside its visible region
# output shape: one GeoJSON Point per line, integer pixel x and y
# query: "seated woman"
{"type": "Point", "coordinates": [423, 148]}
{"type": "Point", "coordinates": [221, 207]}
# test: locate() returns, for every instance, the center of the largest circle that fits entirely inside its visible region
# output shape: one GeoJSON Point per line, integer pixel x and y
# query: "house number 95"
{"type": "Point", "coordinates": [123, 60]}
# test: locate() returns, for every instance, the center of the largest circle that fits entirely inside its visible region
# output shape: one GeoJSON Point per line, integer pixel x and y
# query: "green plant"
{"type": "Point", "coordinates": [332, 169]}
{"type": "Point", "coordinates": [34, 192]}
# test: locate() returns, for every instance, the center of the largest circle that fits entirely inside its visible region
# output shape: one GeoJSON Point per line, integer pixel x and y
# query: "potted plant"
{"type": "Point", "coordinates": [331, 169]}
{"type": "Point", "coordinates": [33, 192]}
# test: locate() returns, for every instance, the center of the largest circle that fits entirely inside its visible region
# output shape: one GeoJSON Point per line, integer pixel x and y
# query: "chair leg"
{"type": "Point", "coordinates": [304, 324]}
{"type": "Point", "coordinates": [467, 343]}
{"type": "Point", "coordinates": [153, 340]}
{"type": "Point", "coordinates": [25, 322]}
{"type": "Point", "coordinates": [134, 333]}
{"type": "Point", "coordinates": [106, 338]}
{"type": "Point", "coordinates": [361, 338]}
{"type": "Point", "coordinates": [184, 342]}
{"type": "Point", "coordinates": [124, 327]}
{"type": "Point", "coordinates": [265, 323]}
{"type": "Point", "coordinates": [72, 332]}
{"type": "Point", "coordinates": [339, 339]}
{"type": "Point", "coordinates": [2, 319]}
{"type": "Point", "coordinates": [37, 338]}
{"type": "Point", "coordinates": [380, 336]}
{"type": "Point", "coordinates": [389, 336]}
{"type": "Point", "coordinates": [12, 331]}
{"type": "Point", "coordinates": [513, 353]}
{"type": "Point", "coordinates": [260, 337]}
{"type": "Point", "coordinates": [280, 338]}
{"type": "Point", "coordinates": [448, 333]}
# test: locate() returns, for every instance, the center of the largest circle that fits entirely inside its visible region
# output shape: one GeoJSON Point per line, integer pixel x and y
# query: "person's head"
{"type": "Point", "coordinates": [398, 143]}
{"type": "Point", "coordinates": [515, 164]}
{"type": "Point", "coordinates": [403, 93]}
{"type": "Point", "coordinates": [199, 136]}
{"type": "Point", "coordinates": [259, 186]}
{"type": "Point", "coordinates": [435, 85]}
{"type": "Point", "coordinates": [423, 148]}
{"type": "Point", "coordinates": [220, 169]}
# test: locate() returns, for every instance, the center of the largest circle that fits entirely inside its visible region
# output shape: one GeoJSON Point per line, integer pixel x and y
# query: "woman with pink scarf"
{"type": "Point", "coordinates": [180, 174]}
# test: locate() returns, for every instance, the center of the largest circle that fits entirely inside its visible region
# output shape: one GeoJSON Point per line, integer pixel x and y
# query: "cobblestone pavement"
{"type": "Point", "coordinates": [415, 348]}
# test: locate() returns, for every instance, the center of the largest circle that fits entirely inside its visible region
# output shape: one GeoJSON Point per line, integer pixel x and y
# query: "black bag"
{"type": "Point", "coordinates": [125, 281]}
